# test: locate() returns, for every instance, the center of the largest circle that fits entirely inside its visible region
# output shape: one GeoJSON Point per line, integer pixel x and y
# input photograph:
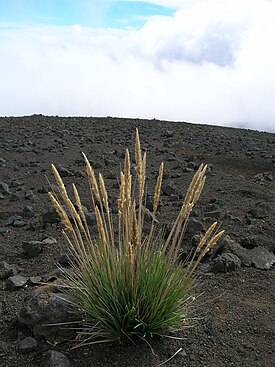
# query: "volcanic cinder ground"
{"type": "Point", "coordinates": [234, 317]}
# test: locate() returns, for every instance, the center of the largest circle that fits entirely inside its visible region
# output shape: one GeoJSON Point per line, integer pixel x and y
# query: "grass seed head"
{"type": "Point", "coordinates": [138, 158]}
{"type": "Point", "coordinates": [135, 238]}
{"type": "Point", "coordinates": [61, 212]}
{"type": "Point", "coordinates": [158, 188]}
{"type": "Point", "coordinates": [92, 178]}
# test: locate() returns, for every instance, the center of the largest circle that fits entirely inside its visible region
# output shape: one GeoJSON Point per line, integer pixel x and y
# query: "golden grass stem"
{"type": "Point", "coordinates": [158, 188]}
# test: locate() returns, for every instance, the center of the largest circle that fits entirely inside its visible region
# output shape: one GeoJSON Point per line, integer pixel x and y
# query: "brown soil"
{"type": "Point", "coordinates": [234, 321]}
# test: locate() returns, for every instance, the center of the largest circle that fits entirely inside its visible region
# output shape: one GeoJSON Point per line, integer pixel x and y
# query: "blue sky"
{"type": "Point", "coordinates": [208, 61]}
{"type": "Point", "coordinates": [93, 13]}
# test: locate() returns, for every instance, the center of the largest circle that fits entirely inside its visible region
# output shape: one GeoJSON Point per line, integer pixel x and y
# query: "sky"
{"type": "Point", "coordinates": [207, 61]}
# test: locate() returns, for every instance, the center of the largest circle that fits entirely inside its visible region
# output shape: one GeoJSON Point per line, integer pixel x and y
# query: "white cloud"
{"type": "Point", "coordinates": [212, 62]}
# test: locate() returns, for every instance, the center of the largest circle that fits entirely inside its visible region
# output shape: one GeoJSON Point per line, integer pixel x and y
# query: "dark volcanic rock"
{"type": "Point", "coordinates": [4, 188]}
{"type": "Point", "coordinates": [50, 216]}
{"type": "Point", "coordinates": [7, 270]}
{"type": "Point", "coordinates": [54, 359]}
{"type": "Point", "coordinates": [27, 345]}
{"type": "Point", "coordinates": [29, 195]}
{"type": "Point", "coordinates": [48, 241]}
{"type": "Point", "coordinates": [259, 256]}
{"type": "Point", "coordinates": [195, 226]}
{"type": "Point", "coordinates": [32, 248]}
{"type": "Point", "coordinates": [63, 171]}
{"type": "Point", "coordinates": [169, 189]}
{"type": "Point", "coordinates": [41, 309]}
{"type": "Point", "coordinates": [225, 263]}
{"type": "Point", "coordinates": [16, 282]}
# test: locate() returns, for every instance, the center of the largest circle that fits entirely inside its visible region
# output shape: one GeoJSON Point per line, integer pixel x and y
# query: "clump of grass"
{"type": "Point", "coordinates": [129, 284]}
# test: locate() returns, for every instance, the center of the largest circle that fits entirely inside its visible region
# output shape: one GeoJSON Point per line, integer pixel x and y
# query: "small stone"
{"type": "Point", "coordinates": [7, 270]}
{"type": "Point", "coordinates": [27, 345]}
{"type": "Point", "coordinates": [53, 275]}
{"type": "Point", "coordinates": [3, 231]}
{"type": "Point", "coordinates": [262, 258]}
{"type": "Point", "coordinates": [182, 354]}
{"type": "Point", "coordinates": [13, 219]}
{"type": "Point", "coordinates": [4, 188]}
{"type": "Point", "coordinates": [50, 216]}
{"type": "Point", "coordinates": [174, 198]}
{"type": "Point", "coordinates": [150, 203]}
{"type": "Point", "coordinates": [32, 248]}
{"type": "Point", "coordinates": [16, 282]}
{"type": "Point", "coordinates": [3, 162]}
{"type": "Point", "coordinates": [65, 259]}
{"type": "Point", "coordinates": [195, 226]}
{"type": "Point", "coordinates": [225, 263]}
{"type": "Point", "coordinates": [45, 312]}
{"type": "Point", "coordinates": [169, 189]}
{"type": "Point", "coordinates": [28, 210]}
{"type": "Point", "coordinates": [49, 241]}
{"type": "Point", "coordinates": [259, 256]}
{"type": "Point", "coordinates": [54, 359]}
{"type": "Point", "coordinates": [192, 165]}
{"type": "Point", "coordinates": [187, 169]}
{"type": "Point", "coordinates": [91, 218]}
{"type": "Point", "coordinates": [29, 195]}
{"type": "Point", "coordinates": [268, 177]}
{"type": "Point", "coordinates": [175, 175]}
{"type": "Point", "coordinates": [168, 134]}
{"type": "Point", "coordinates": [42, 190]}
{"type": "Point", "coordinates": [63, 171]}
{"type": "Point", "coordinates": [248, 242]}
{"type": "Point", "coordinates": [18, 223]}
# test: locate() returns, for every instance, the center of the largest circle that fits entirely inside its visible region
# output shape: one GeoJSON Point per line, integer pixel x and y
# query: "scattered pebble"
{"type": "Point", "coordinates": [54, 359]}
{"type": "Point", "coordinates": [27, 345]}
{"type": "Point", "coordinates": [16, 282]}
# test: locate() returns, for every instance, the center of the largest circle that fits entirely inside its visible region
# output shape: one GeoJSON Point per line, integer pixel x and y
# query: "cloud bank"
{"type": "Point", "coordinates": [212, 62]}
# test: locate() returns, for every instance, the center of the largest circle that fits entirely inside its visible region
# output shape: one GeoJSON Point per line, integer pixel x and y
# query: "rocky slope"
{"type": "Point", "coordinates": [233, 319]}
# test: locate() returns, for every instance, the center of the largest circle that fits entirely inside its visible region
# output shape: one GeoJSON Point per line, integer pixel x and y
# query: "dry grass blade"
{"type": "Point", "coordinates": [135, 238]}
{"type": "Point", "coordinates": [144, 162]}
{"type": "Point", "coordinates": [130, 253]}
{"type": "Point", "coordinates": [205, 238]}
{"type": "Point", "coordinates": [158, 188]}
{"type": "Point", "coordinates": [138, 157]}
{"type": "Point", "coordinates": [104, 192]}
{"type": "Point", "coordinates": [92, 178]}
{"type": "Point", "coordinates": [127, 176]}
{"type": "Point", "coordinates": [121, 199]}
{"type": "Point", "coordinates": [61, 212]}
{"type": "Point", "coordinates": [78, 201]}
{"type": "Point", "coordinates": [59, 182]}
{"type": "Point", "coordinates": [66, 198]}
{"type": "Point", "coordinates": [212, 243]}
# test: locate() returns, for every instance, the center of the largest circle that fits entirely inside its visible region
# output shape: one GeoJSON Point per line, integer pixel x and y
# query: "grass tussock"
{"type": "Point", "coordinates": [132, 283]}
